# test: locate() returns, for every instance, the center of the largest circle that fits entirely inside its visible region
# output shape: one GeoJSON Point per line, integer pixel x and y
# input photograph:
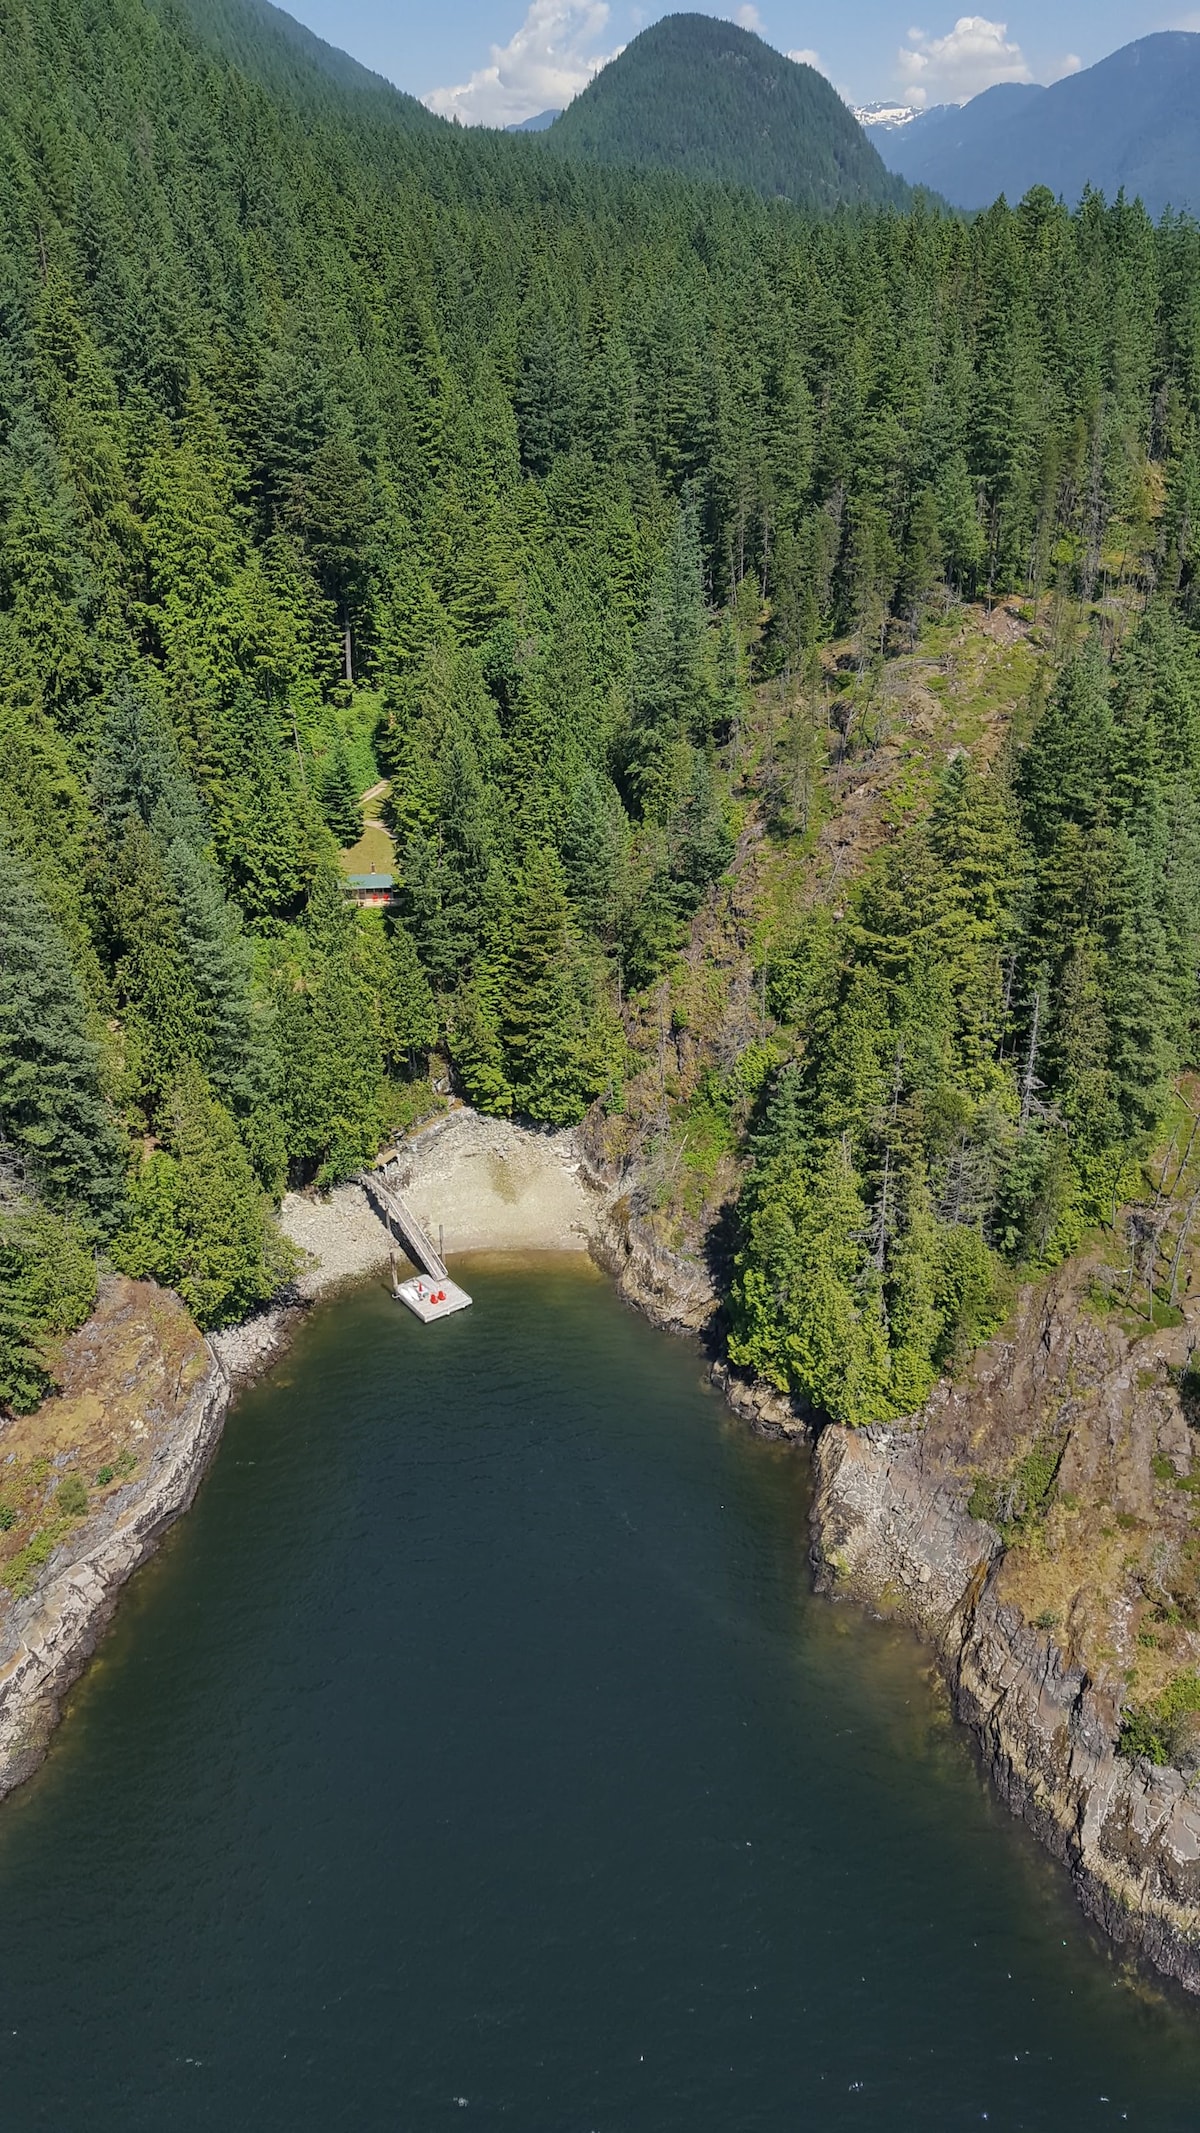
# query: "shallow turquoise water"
{"type": "Point", "coordinates": [475, 1756]}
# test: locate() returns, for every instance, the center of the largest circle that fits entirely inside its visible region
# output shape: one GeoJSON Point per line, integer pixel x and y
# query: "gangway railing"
{"type": "Point", "coordinates": [381, 1187]}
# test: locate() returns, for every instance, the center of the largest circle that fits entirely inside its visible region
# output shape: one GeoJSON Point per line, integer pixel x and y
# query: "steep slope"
{"type": "Point", "coordinates": [293, 64]}
{"type": "Point", "coordinates": [703, 96]}
{"type": "Point", "coordinates": [1128, 123]}
{"type": "Point", "coordinates": [950, 134]}
{"type": "Point", "coordinates": [1037, 1524]}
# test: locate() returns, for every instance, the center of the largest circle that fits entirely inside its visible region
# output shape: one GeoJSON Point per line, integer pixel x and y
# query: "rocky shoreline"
{"type": "Point", "coordinates": [892, 1524]}
{"type": "Point", "coordinates": [175, 1401]}
{"type": "Point", "coordinates": [1042, 1687]}
{"type": "Point", "coordinates": [170, 1390]}
{"type": "Point", "coordinates": [893, 1533]}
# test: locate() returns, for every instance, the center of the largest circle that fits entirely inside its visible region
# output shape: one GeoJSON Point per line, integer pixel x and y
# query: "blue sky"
{"type": "Point", "coordinates": [495, 61]}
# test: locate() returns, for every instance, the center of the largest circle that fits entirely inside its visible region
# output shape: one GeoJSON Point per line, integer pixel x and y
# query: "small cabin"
{"type": "Point", "coordinates": [371, 892]}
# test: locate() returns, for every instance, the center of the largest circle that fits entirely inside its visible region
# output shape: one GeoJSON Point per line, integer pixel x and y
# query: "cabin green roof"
{"type": "Point", "coordinates": [370, 881]}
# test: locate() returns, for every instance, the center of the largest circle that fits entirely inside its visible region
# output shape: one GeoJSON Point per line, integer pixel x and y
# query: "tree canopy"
{"type": "Point", "coordinates": [338, 444]}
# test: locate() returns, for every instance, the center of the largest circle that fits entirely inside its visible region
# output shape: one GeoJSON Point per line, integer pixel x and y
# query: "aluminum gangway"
{"type": "Point", "coordinates": [431, 1294]}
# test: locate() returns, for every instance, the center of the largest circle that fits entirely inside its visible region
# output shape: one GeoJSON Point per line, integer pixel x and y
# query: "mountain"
{"type": "Point", "coordinates": [1128, 123]}
{"type": "Point", "coordinates": [540, 124]}
{"type": "Point", "coordinates": [699, 95]}
{"type": "Point", "coordinates": [888, 118]}
{"type": "Point", "coordinates": [914, 142]}
{"type": "Point", "coordinates": [336, 448]}
{"type": "Point", "coordinates": [292, 64]}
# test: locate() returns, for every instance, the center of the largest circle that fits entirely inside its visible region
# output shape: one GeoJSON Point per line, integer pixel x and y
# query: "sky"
{"type": "Point", "coordinates": [496, 62]}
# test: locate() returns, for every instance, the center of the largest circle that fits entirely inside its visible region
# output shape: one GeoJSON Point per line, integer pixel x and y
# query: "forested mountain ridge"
{"type": "Point", "coordinates": [332, 447]}
{"type": "Point", "coordinates": [270, 47]}
{"type": "Point", "coordinates": [695, 94]}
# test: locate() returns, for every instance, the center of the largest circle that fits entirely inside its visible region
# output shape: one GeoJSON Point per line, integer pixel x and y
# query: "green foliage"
{"type": "Point", "coordinates": [198, 1220]}
{"type": "Point", "coordinates": [52, 1106]}
{"type": "Point", "coordinates": [553, 1061]}
{"type": "Point", "coordinates": [71, 1496]}
{"type": "Point", "coordinates": [339, 797]}
{"type": "Point", "coordinates": [1017, 1501]}
{"type": "Point", "coordinates": [704, 96]}
{"type": "Point", "coordinates": [332, 435]}
{"type": "Point", "coordinates": [995, 1034]}
{"type": "Point", "coordinates": [1166, 1730]}
{"type": "Point", "coordinates": [331, 1034]}
{"type": "Point", "coordinates": [20, 1572]}
{"type": "Point", "coordinates": [47, 1288]}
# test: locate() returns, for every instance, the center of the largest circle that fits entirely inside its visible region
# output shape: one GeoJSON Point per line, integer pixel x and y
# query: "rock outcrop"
{"type": "Point", "coordinates": [1046, 1626]}
{"type": "Point", "coordinates": [672, 1291]}
{"type": "Point", "coordinates": [141, 1385]}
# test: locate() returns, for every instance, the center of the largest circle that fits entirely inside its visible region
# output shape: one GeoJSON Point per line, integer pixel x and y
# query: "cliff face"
{"type": "Point", "coordinates": [672, 1291]}
{"type": "Point", "coordinates": [1072, 1433]}
{"type": "Point", "coordinates": [140, 1413]}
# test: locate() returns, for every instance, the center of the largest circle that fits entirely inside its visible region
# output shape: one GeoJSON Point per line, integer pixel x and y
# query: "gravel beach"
{"type": "Point", "coordinates": [483, 1184]}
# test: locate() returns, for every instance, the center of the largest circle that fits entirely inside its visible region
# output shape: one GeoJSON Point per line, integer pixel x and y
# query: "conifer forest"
{"type": "Point", "coordinates": [588, 512]}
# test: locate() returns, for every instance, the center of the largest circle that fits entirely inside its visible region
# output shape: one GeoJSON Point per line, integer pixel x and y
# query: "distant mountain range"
{"type": "Point", "coordinates": [1131, 122]}
{"type": "Point", "coordinates": [695, 94]}
{"type": "Point", "coordinates": [705, 97]}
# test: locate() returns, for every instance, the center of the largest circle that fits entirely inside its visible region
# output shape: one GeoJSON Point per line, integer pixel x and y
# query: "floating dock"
{"type": "Point", "coordinates": [429, 1300]}
{"type": "Point", "coordinates": [430, 1294]}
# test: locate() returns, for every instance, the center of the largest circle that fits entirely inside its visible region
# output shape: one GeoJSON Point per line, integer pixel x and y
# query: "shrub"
{"type": "Point", "coordinates": [198, 1221]}
{"type": "Point", "coordinates": [1019, 1498]}
{"type": "Point", "coordinates": [72, 1497]}
{"type": "Point", "coordinates": [20, 1574]}
{"type": "Point", "coordinates": [47, 1288]}
{"type": "Point", "coordinates": [1168, 1729]}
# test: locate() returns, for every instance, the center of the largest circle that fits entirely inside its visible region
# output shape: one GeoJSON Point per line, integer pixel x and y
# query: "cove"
{"type": "Point", "coordinates": [476, 1755]}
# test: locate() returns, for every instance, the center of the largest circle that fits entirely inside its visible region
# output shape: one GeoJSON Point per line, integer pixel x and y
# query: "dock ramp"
{"type": "Point", "coordinates": [431, 1293]}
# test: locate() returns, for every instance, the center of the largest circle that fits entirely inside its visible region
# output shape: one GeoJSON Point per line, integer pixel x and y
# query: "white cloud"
{"type": "Point", "coordinates": [749, 17]}
{"type": "Point", "coordinates": [973, 56]}
{"type": "Point", "coordinates": [808, 59]}
{"type": "Point", "coordinates": [550, 59]}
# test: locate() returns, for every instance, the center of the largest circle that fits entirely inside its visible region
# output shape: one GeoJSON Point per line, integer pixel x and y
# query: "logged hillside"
{"type": "Point", "coordinates": [698, 95]}
{"type": "Point", "coordinates": [335, 450]}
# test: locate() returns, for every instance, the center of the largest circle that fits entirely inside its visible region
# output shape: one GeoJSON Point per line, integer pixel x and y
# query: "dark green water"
{"type": "Point", "coordinates": [475, 1755]}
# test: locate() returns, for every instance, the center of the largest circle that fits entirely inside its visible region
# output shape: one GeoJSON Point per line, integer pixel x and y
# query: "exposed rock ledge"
{"type": "Point", "coordinates": [891, 1529]}
{"type": "Point", "coordinates": [672, 1292]}
{"type": "Point", "coordinates": [139, 1377]}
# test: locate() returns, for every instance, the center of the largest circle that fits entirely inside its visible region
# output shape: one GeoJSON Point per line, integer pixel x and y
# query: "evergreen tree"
{"type": "Point", "coordinates": [47, 1288]}
{"type": "Point", "coordinates": [52, 1106]}
{"type": "Point", "coordinates": [544, 1021]}
{"type": "Point", "coordinates": [330, 1038]}
{"type": "Point", "coordinates": [409, 1011]}
{"type": "Point", "coordinates": [593, 838]}
{"type": "Point", "coordinates": [804, 1315]}
{"type": "Point", "coordinates": [198, 1220]}
{"type": "Point", "coordinates": [339, 798]}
